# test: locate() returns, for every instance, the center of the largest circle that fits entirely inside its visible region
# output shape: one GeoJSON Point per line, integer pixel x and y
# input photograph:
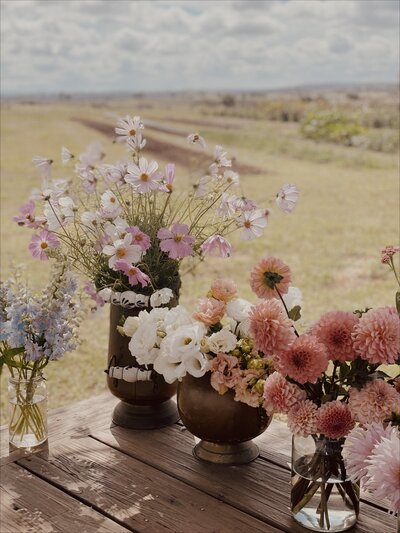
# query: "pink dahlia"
{"type": "Point", "coordinates": [302, 418]}
{"type": "Point", "coordinates": [374, 402]}
{"type": "Point", "coordinates": [225, 372]}
{"type": "Point", "coordinates": [209, 311]}
{"type": "Point", "coordinates": [216, 246]}
{"type": "Point", "coordinates": [270, 328]}
{"type": "Point", "coordinates": [334, 331]}
{"type": "Point", "coordinates": [244, 391]}
{"type": "Point", "coordinates": [177, 242]}
{"type": "Point", "coordinates": [269, 276]}
{"type": "Point", "coordinates": [377, 335]}
{"type": "Point", "coordinates": [304, 360]}
{"type": "Point", "coordinates": [359, 445]}
{"type": "Point", "coordinates": [335, 420]}
{"type": "Point", "coordinates": [41, 243]}
{"type": "Point", "coordinates": [280, 395]}
{"type": "Point", "coordinates": [223, 290]}
{"type": "Point", "coordinates": [384, 470]}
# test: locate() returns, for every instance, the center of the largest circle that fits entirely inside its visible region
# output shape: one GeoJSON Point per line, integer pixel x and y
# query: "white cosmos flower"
{"type": "Point", "coordinates": [116, 229]}
{"type": "Point", "coordinates": [220, 157]}
{"type": "Point", "coordinates": [92, 155]}
{"type": "Point", "coordinates": [66, 155]}
{"type": "Point", "coordinates": [143, 177]}
{"type": "Point", "coordinates": [43, 164]}
{"type": "Point", "coordinates": [196, 364]}
{"type": "Point", "coordinates": [110, 207]}
{"type": "Point", "coordinates": [195, 138]}
{"type": "Point", "coordinates": [287, 197]}
{"type": "Point", "coordinates": [51, 191]}
{"type": "Point", "coordinates": [161, 297]}
{"type": "Point", "coordinates": [123, 250]}
{"type": "Point", "coordinates": [227, 208]}
{"type": "Point", "coordinates": [114, 173]}
{"type": "Point", "coordinates": [128, 127]}
{"type": "Point", "coordinates": [231, 177]}
{"type": "Point", "coordinates": [90, 219]}
{"type": "Point", "coordinates": [222, 341]}
{"type": "Point", "coordinates": [60, 214]}
{"type": "Point", "coordinates": [253, 223]}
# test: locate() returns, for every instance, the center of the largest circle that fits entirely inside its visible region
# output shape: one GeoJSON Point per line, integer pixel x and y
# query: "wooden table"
{"type": "Point", "coordinates": [94, 478]}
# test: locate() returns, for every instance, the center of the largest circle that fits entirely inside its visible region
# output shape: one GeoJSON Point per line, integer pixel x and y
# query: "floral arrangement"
{"type": "Point", "coordinates": [126, 226]}
{"type": "Point", "coordinates": [215, 338]}
{"type": "Point", "coordinates": [35, 329]}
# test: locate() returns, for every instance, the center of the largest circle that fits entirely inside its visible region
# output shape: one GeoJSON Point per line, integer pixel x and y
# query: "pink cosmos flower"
{"type": "Point", "coordinates": [335, 420]}
{"type": "Point", "coordinates": [270, 328]}
{"type": "Point", "coordinates": [280, 395]}
{"type": "Point", "coordinates": [135, 275]}
{"type": "Point", "coordinates": [388, 252]}
{"type": "Point", "coordinates": [123, 249]}
{"type": "Point", "coordinates": [377, 335]}
{"type": "Point", "coordinates": [269, 273]}
{"type": "Point", "coordinates": [216, 245]}
{"type": "Point", "coordinates": [223, 289]}
{"type": "Point", "coordinates": [27, 216]}
{"type": "Point", "coordinates": [334, 330]}
{"type": "Point", "coordinates": [287, 197]}
{"type": "Point", "coordinates": [90, 289]}
{"type": "Point", "coordinates": [225, 372]}
{"type": "Point", "coordinates": [302, 418]}
{"type": "Point", "coordinates": [42, 242]}
{"type": "Point", "coordinates": [196, 139]}
{"type": "Point", "coordinates": [384, 470]}
{"type": "Point", "coordinates": [359, 445]}
{"type": "Point", "coordinates": [143, 178]}
{"type": "Point", "coordinates": [168, 178]}
{"type": "Point", "coordinates": [244, 388]}
{"type": "Point", "coordinates": [43, 164]}
{"type": "Point", "coordinates": [139, 238]}
{"type": "Point", "coordinates": [374, 402]}
{"type": "Point", "coordinates": [304, 360]}
{"type": "Point", "coordinates": [253, 223]}
{"type": "Point", "coordinates": [209, 311]}
{"type": "Point", "coordinates": [177, 242]}
{"type": "Point", "coordinates": [244, 204]}
{"type": "Point", "coordinates": [88, 177]}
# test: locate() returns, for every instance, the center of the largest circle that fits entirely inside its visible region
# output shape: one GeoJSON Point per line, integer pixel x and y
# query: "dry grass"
{"type": "Point", "coordinates": [347, 213]}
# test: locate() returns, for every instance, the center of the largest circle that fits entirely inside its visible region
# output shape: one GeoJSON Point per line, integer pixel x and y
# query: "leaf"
{"type": "Point", "coordinates": [295, 313]}
{"type": "Point", "coordinates": [10, 352]}
{"type": "Point", "coordinates": [398, 301]}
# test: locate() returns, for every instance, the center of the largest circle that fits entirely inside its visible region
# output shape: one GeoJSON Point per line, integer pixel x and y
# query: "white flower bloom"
{"type": "Point", "coordinates": [253, 223]}
{"type": "Point", "coordinates": [220, 157]}
{"type": "Point", "coordinates": [90, 219]}
{"type": "Point", "coordinates": [176, 317]}
{"type": "Point", "coordinates": [201, 188]}
{"type": "Point", "coordinates": [43, 164]}
{"type": "Point", "coordinates": [136, 143]}
{"type": "Point", "coordinates": [238, 309]}
{"type": "Point", "coordinates": [293, 297]}
{"type": "Point", "coordinates": [51, 191]}
{"type": "Point", "coordinates": [131, 325]}
{"type": "Point", "coordinates": [116, 229]}
{"type": "Point", "coordinates": [196, 364]}
{"type": "Point", "coordinates": [222, 341]}
{"type": "Point", "coordinates": [66, 155]}
{"type": "Point", "coordinates": [105, 294]}
{"type": "Point", "coordinates": [183, 342]}
{"type": "Point", "coordinates": [124, 250]}
{"type": "Point", "coordinates": [144, 177]}
{"type": "Point", "coordinates": [195, 138]}
{"type": "Point", "coordinates": [144, 344]}
{"type": "Point", "coordinates": [231, 177]}
{"type": "Point", "coordinates": [170, 370]}
{"type": "Point", "coordinates": [161, 297]}
{"type": "Point", "coordinates": [128, 128]}
{"type": "Point", "coordinates": [287, 197]}
{"type": "Point", "coordinates": [110, 205]}
{"type": "Point", "coordinates": [227, 208]}
{"type": "Point", "coordinates": [59, 215]}
{"type": "Point", "coordinates": [114, 173]}
{"type": "Point", "coordinates": [92, 155]}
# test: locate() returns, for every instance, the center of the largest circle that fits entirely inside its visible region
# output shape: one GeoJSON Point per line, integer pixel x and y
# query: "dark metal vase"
{"type": "Point", "coordinates": [144, 404]}
{"type": "Point", "coordinates": [224, 425]}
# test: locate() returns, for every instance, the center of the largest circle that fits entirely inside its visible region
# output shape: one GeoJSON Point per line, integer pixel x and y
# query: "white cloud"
{"type": "Point", "coordinates": [94, 45]}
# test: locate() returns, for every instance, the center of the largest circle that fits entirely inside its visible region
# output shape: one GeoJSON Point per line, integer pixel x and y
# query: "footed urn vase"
{"type": "Point", "coordinates": [226, 427]}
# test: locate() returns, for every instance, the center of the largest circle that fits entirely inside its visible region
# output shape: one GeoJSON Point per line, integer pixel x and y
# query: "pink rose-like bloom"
{"type": "Point", "coordinates": [269, 273]}
{"type": "Point", "coordinates": [384, 470]}
{"type": "Point", "coordinates": [27, 216]}
{"type": "Point", "coordinates": [225, 372]}
{"type": "Point", "coordinates": [335, 420]}
{"type": "Point", "coordinates": [209, 311]}
{"type": "Point", "coordinates": [223, 289]}
{"type": "Point", "coordinates": [135, 275]}
{"type": "Point", "coordinates": [280, 395]}
{"type": "Point", "coordinates": [359, 445]}
{"type": "Point", "coordinates": [388, 252]}
{"type": "Point", "coordinates": [177, 242]}
{"type": "Point", "coordinates": [334, 330]}
{"type": "Point", "coordinates": [243, 390]}
{"type": "Point", "coordinates": [216, 246]}
{"type": "Point", "coordinates": [270, 328]}
{"type": "Point", "coordinates": [374, 402]}
{"type": "Point", "coordinates": [303, 418]}
{"type": "Point", "coordinates": [304, 360]}
{"type": "Point", "coordinates": [377, 335]}
{"type": "Point", "coordinates": [42, 242]}
{"type": "Point", "coordinates": [139, 238]}
{"type": "Point", "coordinates": [287, 197]}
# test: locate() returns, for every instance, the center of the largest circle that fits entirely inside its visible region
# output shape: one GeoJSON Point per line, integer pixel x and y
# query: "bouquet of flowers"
{"type": "Point", "coordinates": [326, 380]}
{"type": "Point", "coordinates": [35, 329]}
{"type": "Point", "coordinates": [127, 227]}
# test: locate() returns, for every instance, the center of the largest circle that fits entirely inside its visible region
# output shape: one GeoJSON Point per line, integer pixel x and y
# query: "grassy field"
{"type": "Point", "coordinates": [347, 212]}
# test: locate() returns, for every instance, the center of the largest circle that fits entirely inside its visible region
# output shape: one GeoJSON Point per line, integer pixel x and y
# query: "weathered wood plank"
{"type": "Point", "coordinates": [70, 420]}
{"type": "Point", "coordinates": [30, 505]}
{"type": "Point", "coordinates": [136, 494]}
{"type": "Point", "coordinates": [260, 488]}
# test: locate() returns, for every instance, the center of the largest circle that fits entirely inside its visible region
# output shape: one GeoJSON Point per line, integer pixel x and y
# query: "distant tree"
{"type": "Point", "coordinates": [229, 100]}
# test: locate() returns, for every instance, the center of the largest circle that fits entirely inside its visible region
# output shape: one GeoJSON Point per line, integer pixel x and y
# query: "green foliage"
{"type": "Point", "coordinates": [330, 126]}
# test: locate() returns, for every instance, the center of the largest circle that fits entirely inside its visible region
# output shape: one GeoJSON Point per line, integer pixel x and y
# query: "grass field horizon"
{"type": "Point", "coordinates": [348, 208]}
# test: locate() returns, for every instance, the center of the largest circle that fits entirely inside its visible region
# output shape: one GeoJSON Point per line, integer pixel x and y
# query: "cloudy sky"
{"type": "Point", "coordinates": [102, 45]}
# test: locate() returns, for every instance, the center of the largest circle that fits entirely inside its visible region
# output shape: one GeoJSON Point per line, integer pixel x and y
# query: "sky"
{"type": "Point", "coordinates": [80, 46]}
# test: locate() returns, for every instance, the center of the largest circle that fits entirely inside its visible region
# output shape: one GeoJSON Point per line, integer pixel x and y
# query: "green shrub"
{"type": "Point", "coordinates": [330, 126]}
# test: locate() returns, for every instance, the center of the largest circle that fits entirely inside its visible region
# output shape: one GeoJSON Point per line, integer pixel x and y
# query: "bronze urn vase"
{"type": "Point", "coordinates": [226, 427]}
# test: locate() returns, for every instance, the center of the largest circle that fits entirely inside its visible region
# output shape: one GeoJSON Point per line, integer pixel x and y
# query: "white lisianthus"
{"type": "Point", "coordinates": [293, 297]}
{"type": "Point", "coordinates": [183, 342]}
{"type": "Point", "coordinates": [170, 370]}
{"type": "Point", "coordinates": [131, 325]}
{"type": "Point", "coordinates": [161, 297]}
{"type": "Point", "coordinates": [238, 309]}
{"type": "Point", "coordinates": [222, 341]}
{"type": "Point", "coordinates": [144, 344]}
{"type": "Point", "coordinates": [176, 317]}
{"type": "Point", "coordinates": [196, 364]}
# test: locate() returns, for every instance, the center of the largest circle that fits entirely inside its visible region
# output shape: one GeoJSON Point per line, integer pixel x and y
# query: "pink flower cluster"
{"type": "Point", "coordinates": [388, 252]}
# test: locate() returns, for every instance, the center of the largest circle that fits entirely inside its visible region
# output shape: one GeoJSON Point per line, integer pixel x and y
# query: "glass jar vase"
{"type": "Point", "coordinates": [323, 498]}
{"type": "Point", "coordinates": [27, 411]}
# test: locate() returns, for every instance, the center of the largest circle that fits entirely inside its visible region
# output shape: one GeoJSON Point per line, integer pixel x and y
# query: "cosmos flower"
{"type": "Point", "coordinates": [123, 249]}
{"type": "Point", "coordinates": [287, 197]}
{"type": "Point", "coordinates": [143, 177]}
{"type": "Point", "coordinates": [41, 243]}
{"type": "Point", "coordinates": [134, 274]}
{"type": "Point", "coordinates": [196, 139]}
{"type": "Point", "coordinates": [216, 245]}
{"type": "Point", "coordinates": [176, 242]}
{"type": "Point", "coordinates": [253, 223]}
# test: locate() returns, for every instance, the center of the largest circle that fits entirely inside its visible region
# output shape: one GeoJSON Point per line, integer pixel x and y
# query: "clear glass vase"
{"type": "Point", "coordinates": [27, 411]}
{"type": "Point", "coordinates": [322, 497]}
